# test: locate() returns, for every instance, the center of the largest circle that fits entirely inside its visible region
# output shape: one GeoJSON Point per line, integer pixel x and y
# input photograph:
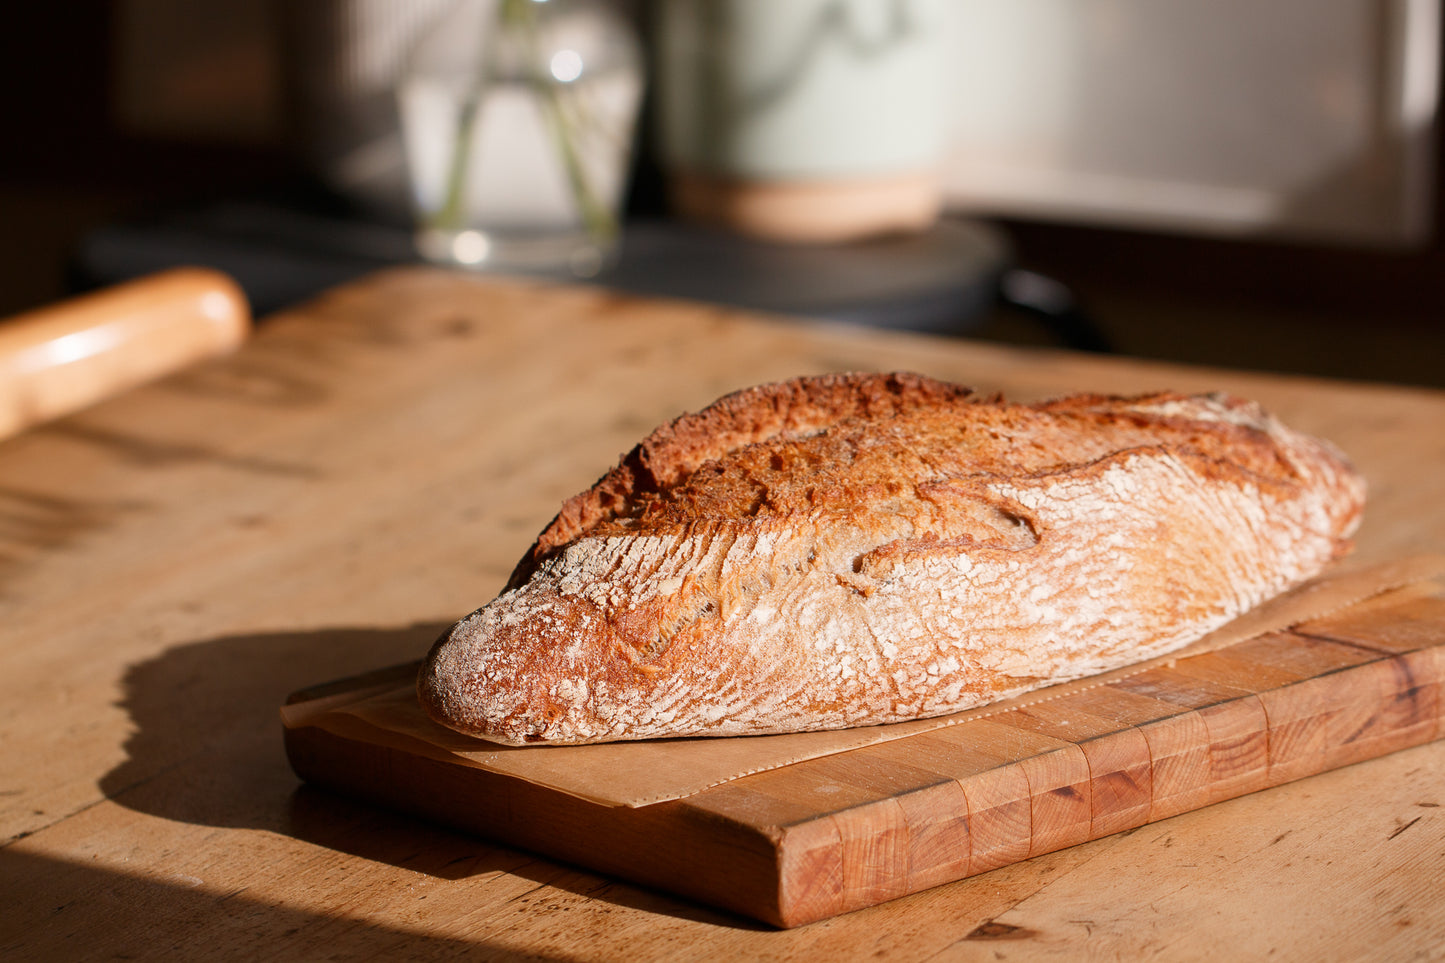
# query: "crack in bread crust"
{"type": "Point", "coordinates": [859, 549]}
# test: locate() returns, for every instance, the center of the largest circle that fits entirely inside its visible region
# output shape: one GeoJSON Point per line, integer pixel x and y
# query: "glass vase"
{"type": "Point", "coordinates": [518, 120]}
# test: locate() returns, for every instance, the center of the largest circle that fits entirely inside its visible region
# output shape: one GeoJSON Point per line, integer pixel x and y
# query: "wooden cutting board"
{"type": "Point", "coordinates": [838, 833]}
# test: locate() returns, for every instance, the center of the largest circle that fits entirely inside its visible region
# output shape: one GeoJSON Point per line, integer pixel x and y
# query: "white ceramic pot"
{"type": "Point", "coordinates": [805, 120]}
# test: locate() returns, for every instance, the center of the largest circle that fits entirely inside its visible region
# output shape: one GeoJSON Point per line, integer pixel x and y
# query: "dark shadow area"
{"type": "Point", "coordinates": [60, 910]}
{"type": "Point", "coordinates": [207, 750]}
{"type": "Point", "coordinates": [209, 710]}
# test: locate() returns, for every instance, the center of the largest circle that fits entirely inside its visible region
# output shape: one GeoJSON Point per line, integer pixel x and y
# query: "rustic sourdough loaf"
{"type": "Point", "coordinates": [860, 549]}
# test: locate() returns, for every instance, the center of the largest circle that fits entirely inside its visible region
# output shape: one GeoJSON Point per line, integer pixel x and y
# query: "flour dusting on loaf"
{"type": "Point", "coordinates": [860, 549]}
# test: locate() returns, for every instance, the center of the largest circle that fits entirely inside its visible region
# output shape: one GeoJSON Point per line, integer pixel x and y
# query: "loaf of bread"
{"type": "Point", "coordinates": [860, 549]}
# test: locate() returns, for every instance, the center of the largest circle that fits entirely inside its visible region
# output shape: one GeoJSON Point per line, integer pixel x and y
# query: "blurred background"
{"type": "Point", "coordinates": [1251, 183]}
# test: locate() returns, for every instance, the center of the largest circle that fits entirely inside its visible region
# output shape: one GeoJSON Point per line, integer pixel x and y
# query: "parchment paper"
{"type": "Point", "coordinates": [653, 771]}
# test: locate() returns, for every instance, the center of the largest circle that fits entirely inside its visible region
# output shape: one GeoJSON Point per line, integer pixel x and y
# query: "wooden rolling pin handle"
{"type": "Point", "coordinates": [58, 359]}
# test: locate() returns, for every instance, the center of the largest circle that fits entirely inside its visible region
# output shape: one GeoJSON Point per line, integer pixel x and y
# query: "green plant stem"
{"type": "Point", "coordinates": [598, 221]}
{"type": "Point", "coordinates": [597, 218]}
{"type": "Point", "coordinates": [518, 18]}
{"type": "Point", "coordinates": [450, 216]}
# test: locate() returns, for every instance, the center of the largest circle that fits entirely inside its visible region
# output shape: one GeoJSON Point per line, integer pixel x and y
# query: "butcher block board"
{"type": "Point", "coordinates": [838, 833]}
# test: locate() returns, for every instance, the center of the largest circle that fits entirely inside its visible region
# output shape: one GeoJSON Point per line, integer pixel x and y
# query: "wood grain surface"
{"type": "Point", "coordinates": [177, 560]}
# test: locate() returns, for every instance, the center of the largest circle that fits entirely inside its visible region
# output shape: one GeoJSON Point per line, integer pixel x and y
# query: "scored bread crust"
{"type": "Point", "coordinates": [861, 549]}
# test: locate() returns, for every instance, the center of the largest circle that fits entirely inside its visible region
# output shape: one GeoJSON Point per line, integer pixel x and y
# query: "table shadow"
{"type": "Point", "coordinates": [206, 749]}
{"type": "Point", "coordinates": [61, 909]}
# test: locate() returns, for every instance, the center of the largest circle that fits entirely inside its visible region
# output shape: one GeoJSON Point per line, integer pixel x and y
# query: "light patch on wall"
{"type": "Point", "coordinates": [1310, 119]}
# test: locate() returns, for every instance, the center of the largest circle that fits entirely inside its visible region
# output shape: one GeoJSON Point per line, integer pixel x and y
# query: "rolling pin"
{"type": "Point", "coordinates": [63, 357]}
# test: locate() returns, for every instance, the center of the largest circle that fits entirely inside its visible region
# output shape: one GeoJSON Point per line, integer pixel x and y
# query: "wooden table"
{"type": "Point", "coordinates": [175, 561]}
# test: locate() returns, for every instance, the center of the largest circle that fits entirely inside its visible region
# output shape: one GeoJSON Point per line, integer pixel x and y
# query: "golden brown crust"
{"type": "Point", "coordinates": [859, 549]}
{"type": "Point", "coordinates": [783, 411]}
